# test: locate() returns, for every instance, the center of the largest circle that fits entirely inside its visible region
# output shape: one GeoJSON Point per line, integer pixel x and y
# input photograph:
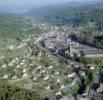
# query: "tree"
{"type": "Point", "coordinates": [9, 92]}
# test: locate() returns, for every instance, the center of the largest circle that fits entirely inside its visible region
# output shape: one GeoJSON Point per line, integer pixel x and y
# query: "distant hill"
{"type": "Point", "coordinates": [69, 12]}
{"type": "Point", "coordinates": [60, 8]}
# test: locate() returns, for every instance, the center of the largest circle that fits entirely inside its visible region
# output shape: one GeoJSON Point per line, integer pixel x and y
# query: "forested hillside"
{"type": "Point", "coordinates": [69, 12]}
{"type": "Point", "coordinates": [8, 92]}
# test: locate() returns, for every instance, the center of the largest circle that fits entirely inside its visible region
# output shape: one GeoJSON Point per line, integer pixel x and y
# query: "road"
{"type": "Point", "coordinates": [39, 45]}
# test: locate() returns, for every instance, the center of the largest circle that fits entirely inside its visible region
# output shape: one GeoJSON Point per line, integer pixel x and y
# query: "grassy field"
{"type": "Point", "coordinates": [14, 29]}
{"type": "Point", "coordinates": [95, 60]}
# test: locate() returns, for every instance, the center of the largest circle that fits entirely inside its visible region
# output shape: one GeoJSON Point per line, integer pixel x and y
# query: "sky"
{"type": "Point", "coordinates": [36, 2]}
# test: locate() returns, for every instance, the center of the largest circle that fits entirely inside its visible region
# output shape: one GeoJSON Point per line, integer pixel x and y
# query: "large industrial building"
{"type": "Point", "coordinates": [85, 50]}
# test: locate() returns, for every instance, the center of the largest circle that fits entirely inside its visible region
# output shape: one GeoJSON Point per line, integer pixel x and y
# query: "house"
{"type": "Point", "coordinates": [25, 75]}
{"type": "Point", "coordinates": [4, 66]}
{"type": "Point", "coordinates": [100, 89]}
{"type": "Point", "coordinates": [5, 76]}
{"type": "Point", "coordinates": [62, 86]}
{"type": "Point", "coordinates": [68, 98]}
{"type": "Point", "coordinates": [72, 75]}
{"type": "Point", "coordinates": [14, 77]}
{"type": "Point", "coordinates": [59, 95]}
{"type": "Point", "coordinates": [46, 78]}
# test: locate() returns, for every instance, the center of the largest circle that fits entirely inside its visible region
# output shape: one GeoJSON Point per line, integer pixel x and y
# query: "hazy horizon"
{"type": "Point", "coordinates": [24, 5]}
{"type": "Point", "coordinates": [37, 2]}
